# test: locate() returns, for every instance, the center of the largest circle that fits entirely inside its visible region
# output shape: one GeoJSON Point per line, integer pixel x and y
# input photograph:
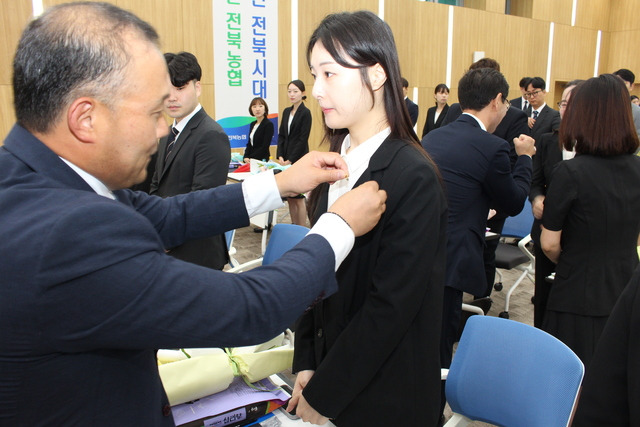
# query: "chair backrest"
{"type": "Point", "coordinates": [508, 373]}
{"type": "Point", "coordinates": [519, 225]}
{"type": "Point", "coordinates": [228, 236]}
{"type": "Point", "coordinates": [283, 237]}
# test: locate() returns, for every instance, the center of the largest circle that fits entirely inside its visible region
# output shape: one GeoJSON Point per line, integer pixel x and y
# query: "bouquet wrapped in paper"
{"type": "Point", "coordinates": [190, 374]}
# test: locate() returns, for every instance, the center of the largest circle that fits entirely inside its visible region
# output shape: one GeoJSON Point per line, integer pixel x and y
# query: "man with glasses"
{"type": "Point", "coordinates": [543, 119]}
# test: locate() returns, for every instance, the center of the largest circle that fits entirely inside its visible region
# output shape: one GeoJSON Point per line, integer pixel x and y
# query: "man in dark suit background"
{"type": "Point", "coordinates": [521, 102]}
{"type": "Point", "coordinates": [196, 158]}
{"type": "Point", "coordinates": [87, 293]}
{"type": "Point", "coordinates": [476, 169]}
{"type": "Point", "coordinates": [511, 126]}
{"type": "Point", "coordinates": [411, 106]}
{"type": "Point", "coordinates": [542, 119]}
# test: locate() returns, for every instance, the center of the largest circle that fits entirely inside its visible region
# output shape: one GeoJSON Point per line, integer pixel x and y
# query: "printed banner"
{"type": "Point", "coordinates": [245, 43]}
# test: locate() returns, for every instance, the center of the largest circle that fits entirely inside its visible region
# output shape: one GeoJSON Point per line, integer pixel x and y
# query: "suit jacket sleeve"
{"type": "Point", "coordinates": [118, 289]}
{"type": "Point", "coordinates": [538, 181]}
{"type": "Point", "coordinates": [211, 160]}
{"type": "Point", "coordinates": [508, 191]}
{"type": "Point", "coordinates": [561, 194]}
{"type": "Point", "coordinates": [414, 219]}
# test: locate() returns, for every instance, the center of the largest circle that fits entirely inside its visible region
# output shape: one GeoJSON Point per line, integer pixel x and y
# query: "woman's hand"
{"type": "Point", "coordinates": [303, 409]}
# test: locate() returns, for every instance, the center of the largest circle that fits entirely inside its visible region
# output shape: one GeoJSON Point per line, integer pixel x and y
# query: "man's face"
{"type": "Point", "coordinates": [535, 96]}
{"type": "Point", "coordinates": [131, 127]}
{"type": "Point", "coordinates": [183, 100]}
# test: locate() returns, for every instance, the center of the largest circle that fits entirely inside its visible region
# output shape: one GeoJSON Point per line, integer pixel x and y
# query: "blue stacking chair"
{"type": "Point", "coordinates": [519, 257]}
{"type": "Point", "coordinates": [229, 236]}
{"type": "Point", "coordinates": [283, 237]}
{"type": "Point", "coordinates": [510, 374]}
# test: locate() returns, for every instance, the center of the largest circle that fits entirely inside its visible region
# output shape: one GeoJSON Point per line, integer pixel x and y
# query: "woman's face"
{"type": "Point", "coordinates": [441, 97]}
{"type": "Point", "coordinates": [343, 97]}
{"type": "Point", "coordinates": [257, 109]}
{"type": "Point", "coordinates": [295, 94]}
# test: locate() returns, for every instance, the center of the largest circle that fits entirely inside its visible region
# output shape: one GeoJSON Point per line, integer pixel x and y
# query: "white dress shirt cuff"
{"type": "Point", "coordinates": [261, 193]}
{"type": "Point", "coordinates": [337, 233]}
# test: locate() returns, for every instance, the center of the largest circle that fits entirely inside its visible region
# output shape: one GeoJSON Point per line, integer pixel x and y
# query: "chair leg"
{"type": "Point", "coordinates": [525, 273]}
{"type": "Point", "coordinates": [458, 420]}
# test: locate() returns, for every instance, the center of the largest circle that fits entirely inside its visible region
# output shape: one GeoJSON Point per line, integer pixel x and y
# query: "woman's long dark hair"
{"type": "Point", "coordinates": [361, 40]}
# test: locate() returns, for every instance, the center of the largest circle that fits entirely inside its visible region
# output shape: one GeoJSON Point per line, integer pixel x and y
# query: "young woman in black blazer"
{"type": "Point", "coordinates": [376, 341]}
{"type": "Point", "coordinates": [260, 131]}
{"type": "Point", "coordinates": [293, 142]}
{"type": "Point", "coordinates": [441, 95]}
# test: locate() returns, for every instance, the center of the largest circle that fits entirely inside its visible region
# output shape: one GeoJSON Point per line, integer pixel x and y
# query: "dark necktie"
{"type": "Point", "coordinates": [525, 106]}
{"type": "Point", "coordinates": [171, 142]}
{"type": "Point", "coordinates": [535, 114]}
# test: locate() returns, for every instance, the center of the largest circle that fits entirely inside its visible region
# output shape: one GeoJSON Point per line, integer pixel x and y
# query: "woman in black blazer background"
{"type": "Point", "coordinates": [436, 114]}
{"type": "Point", "coordinates": [293, 142]}
{"type": "Point", "coordinates": [260, 131]}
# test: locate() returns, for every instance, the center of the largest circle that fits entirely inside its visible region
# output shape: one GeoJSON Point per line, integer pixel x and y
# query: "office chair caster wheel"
{"type": "Point", "coordinates": [498, 286]}
{"type": "Point", "coordinates": [504, 315]}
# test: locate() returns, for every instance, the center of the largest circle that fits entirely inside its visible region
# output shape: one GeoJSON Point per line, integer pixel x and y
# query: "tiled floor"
{"type": "Point", "coordinates": [247, 244]}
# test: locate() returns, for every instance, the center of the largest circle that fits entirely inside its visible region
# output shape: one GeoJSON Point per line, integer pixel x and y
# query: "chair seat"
{"type": "Point", "coordinates": [509, 256]}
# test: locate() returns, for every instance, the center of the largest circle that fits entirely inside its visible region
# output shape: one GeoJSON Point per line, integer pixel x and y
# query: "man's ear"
{"type": "Point", "coordinates": [81, 119]}
{"type": "Point", "coordinates": [496, 102]}
{"type": "Point", "coordinates": [377, 76]}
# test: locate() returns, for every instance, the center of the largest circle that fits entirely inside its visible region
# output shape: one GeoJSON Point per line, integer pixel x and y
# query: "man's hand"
{"type": "Point", "coordinates": [310, 171]}
{"type": "Point", "coordinates": [361, 207]}
{"type": "Point", "coordinates": [537, 206]}
{"type": "Point", "coordinates": [303, 409]}
{"type": "Point", "coordinates": [525, 145]}
{"type": "Point", "coordinates": [531, 121]}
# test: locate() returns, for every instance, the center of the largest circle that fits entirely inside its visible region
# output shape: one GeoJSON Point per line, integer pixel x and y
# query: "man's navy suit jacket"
{"type": "Point", "coordinates": [476, 170]}
{"type": "Point", "coordinates": [87, 293]}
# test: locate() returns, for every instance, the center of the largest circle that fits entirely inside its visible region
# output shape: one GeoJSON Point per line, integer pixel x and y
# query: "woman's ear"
{"type": "Point", "coordinates": [377, 76]}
